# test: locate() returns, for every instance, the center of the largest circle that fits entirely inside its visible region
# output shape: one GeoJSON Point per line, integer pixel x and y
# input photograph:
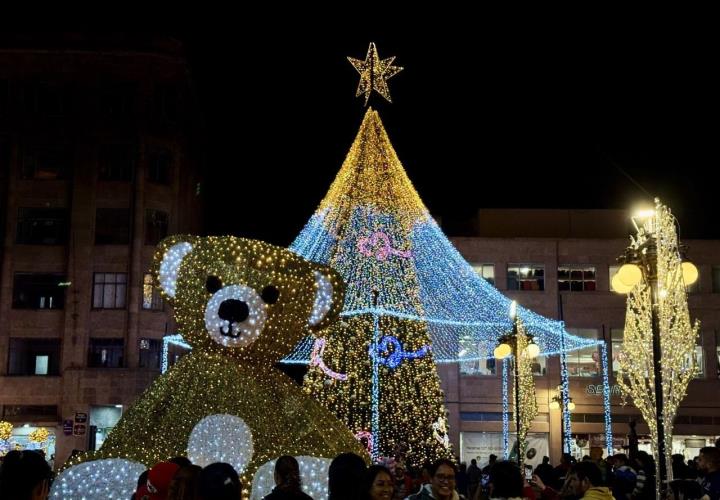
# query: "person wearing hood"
{"type": "Point", "coordinates": [585, 479]}
{"type": "Point", "coordinates": [442, 483]}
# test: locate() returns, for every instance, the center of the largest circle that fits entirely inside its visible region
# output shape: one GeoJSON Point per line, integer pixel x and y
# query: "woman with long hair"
{"type": "Point", "coordinates": [288, 484]}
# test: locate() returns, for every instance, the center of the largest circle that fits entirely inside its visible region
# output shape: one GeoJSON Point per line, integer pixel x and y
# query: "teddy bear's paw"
{"type": "Point", "coordinates": [221, 438]}
{"type": "Point", "coordinates": [101, 479]}
{"type": "Point", "coordinates": [313, 472]}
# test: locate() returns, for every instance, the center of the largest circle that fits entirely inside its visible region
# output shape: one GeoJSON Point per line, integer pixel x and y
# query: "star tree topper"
{"type": "Point", "coordinates": [374, 73]}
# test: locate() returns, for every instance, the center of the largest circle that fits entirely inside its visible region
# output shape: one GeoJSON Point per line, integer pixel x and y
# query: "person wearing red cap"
{"type": "Point", "coordinates": [158, 481]}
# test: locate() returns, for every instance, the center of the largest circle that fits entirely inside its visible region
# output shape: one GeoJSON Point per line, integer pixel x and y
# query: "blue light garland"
{"type": "Point", "coordinates": [505, 410]}
{"type": "Point", "coordinates": [175, 339]}
{"type": "Point", "coordinates": [565, 381]}
{"type": "Point", "coordinates": [389, 352]}
{"type": "Point", "coordinates": [606, 400]}
{"type": "Point", "coordinates": [375, 418]}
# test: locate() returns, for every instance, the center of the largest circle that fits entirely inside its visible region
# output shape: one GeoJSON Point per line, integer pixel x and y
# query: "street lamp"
{"type": "Point", "coordinates": [557, 403]}
{"type": "Point", "coordinates": [640, 264]}
{"type": "Point", "coordinates": [509, 345]}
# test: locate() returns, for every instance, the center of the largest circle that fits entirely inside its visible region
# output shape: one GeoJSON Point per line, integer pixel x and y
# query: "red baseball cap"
{"type": "Point", "coordinates": [158, 481]}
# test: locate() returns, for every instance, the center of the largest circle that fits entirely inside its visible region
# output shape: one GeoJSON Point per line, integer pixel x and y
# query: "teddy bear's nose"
{"type": "Point", "coordinates": [233, 310]}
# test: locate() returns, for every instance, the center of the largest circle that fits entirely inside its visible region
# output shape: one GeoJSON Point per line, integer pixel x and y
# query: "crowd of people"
{"type": "Point", "coordinates": [25, 475]}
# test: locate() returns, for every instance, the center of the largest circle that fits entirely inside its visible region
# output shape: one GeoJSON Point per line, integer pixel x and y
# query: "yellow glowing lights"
{"type": "Point", "coordinates": [502, 351]}
{"type": "Point", "coordinates": [39, 435]}
{"type": "Point", "coordinates": [374, 73]}
{"type": "Point", "coordinates": [532, 350]}
{"type": "Point", "coordinates": [618, 286]}
{"type": "Point", "coordinates": [554, 404]}
{"type": "Point", "coordinates": [571, 406]}
{"type": "Point", "coordinates": [629, 274]}
{"type": "Point", "coordinates": [5, 430]}
{"type": "Point", "coordinates": [689, 273]}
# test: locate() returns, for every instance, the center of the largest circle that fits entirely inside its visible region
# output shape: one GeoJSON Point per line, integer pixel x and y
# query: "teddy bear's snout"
{"type": "Point", "coordinates": [233, 310]}
{"type": "Point", "coordinates": [235, 315]}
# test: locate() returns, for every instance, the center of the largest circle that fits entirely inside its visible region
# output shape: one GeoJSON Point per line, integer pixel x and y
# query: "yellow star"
{"type": "Point", "coordinates": [374, 73]}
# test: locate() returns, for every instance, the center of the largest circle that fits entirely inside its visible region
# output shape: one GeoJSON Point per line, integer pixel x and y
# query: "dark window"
{"type": "Point", "coordinates": [106, 353]}
{"type": "Point", "coordinates": [46, 162]}
{"type": "Point", "coordinates": [41, 226]}
{"type": "Point", "coordinates": [150, 353]}
{"type": "Point", "coordinates": [525, 277]}
{"type": "Point", "coordinates": [45, 98]}
{"type": "Point", "coordinates": [160, 163]}
{"type": "Point", "coordinates": [38, 291]}
{"type": "Point", "coordinates": [109, 290]}
{"type": "Point", "coordinates": [576, 278]}
{"type": "Point", "coordinates": [166, 102]}
{"type": "Point", "coordinates": [152, 300]}
{"type": "Point", "coordinates": [112, 226]}
{"type": "Point", "coordinates": [4, 96]}
{"type": "Point", "coordinates": [116, 162]}
{"type": "Point", "coordinates": [117, 99]}
{"type": "Point", "coordinates": [34, 356]}
{"type": "Point", "coordinates": [716, 279]}
{"type": "Point", "coordinates": [156, 226]}
{"type": "Point", "coordinates": [15, 413]}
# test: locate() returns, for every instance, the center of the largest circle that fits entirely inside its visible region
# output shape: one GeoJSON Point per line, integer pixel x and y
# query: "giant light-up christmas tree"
{"type": "Point", "coordinates": [412, 300]}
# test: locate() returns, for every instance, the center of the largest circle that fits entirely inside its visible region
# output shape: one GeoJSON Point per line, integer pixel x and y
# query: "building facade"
{"type": "Point", "coordinates": [98, 161]}
{"type": "Point", "coordinates": [559, 264]}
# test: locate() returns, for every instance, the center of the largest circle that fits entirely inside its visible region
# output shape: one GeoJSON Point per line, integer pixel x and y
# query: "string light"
{"type": "Point", "coordinates": [677, 334]}
{"type": "Point", "coordinates": [565, 391]}
{"type": "Point", "coordinates": [374, 73]}
{"type": "Point", "coordinates": [505, 409]}
{"type": "Point", "coordinates": [5, 430]}
{"type": "Point", "coordinates": [169, 340]}
{"type": "Point", "coordinates": [528, 408]}
{"type": "Point", "coordinates": [39, 435]}
{"type": "Point", "coordinates": [224, 400]}
{"type": "Point", "coordinates": [108, 478]}
{"type": "Point", "coordinates": [606, 400]}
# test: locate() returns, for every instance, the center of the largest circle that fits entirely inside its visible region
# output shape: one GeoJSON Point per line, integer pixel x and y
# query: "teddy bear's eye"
{"type": "Point", "coordinates": [213, 284]}
{"type": "Point", "coordinates": [270, 294]}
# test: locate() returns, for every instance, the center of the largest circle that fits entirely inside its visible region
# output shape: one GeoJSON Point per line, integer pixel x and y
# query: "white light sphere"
{"type": "Point", "coordinates": [502, 351]}
{"type": "Point", "coordinates": [618, 286]}
{"type": "Point", "coordinates": [629, 274]}
{"type": "Point", "coordinates": [107, 478]}
{"type": "Point", "coordinates": [689, 272]}
{"type": "Point", "coordinates": [221, 438]}
{"type": "Point", "coordinates": [532, 350]}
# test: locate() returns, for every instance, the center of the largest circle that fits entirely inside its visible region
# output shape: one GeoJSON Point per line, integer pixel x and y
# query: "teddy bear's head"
{"type": "Point", "coordinates": [244, 297]}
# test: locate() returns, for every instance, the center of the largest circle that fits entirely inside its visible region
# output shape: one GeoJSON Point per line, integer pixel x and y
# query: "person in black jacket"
{"type": "Point", "coordinates": [288, 484]}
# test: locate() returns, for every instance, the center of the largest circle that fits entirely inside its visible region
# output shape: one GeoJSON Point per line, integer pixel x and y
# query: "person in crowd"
{"type": "Point", "coordinates": [625, 478]}
{"type": "Point", "coordinates": [345, 477]}
{"type": "Point", "coordinates": [585, 481]}
{"type": "Point", "coordinates": [505, 482]}
{"type": "Point", "coordinates": [645, 479]}
{"type": "Point", "coordinates": [561, 471]}
{"type": "Point", "coordinates": [219, 481]}
{"type": "Point", "coordinates": [181, 461]}
{"type": "Point", "coordinates": [461, 480]}
{"type": "Point", "coordinates": [403, 482]}
{"type": "Point", "coordinates": [545, 471]}
{"type": "Point", "coordinates": [185, 483]}
{"type": "Point", "coordinates": [679, 467]}
{"type": "Point", "coordinates": [709, 466]}
{"type": "Point", "coordinates": [474, 474]}
{"type": "Point", "coordinates": [158, 480]}
{"type": "Point", "coordinates": [379, 483]}
{"type": "Point", "coordinates": [442, 483]}
{"type": "Point", "coordinates": [288, 484]}
{"type": "Point", "coordinates": [491, 461]}
{"type": "Point", "coordinates": [24, 475]}
{"type": "Point", "coordinates": [141, 488]}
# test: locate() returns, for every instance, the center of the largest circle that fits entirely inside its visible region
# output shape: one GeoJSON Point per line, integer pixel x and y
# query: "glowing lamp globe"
{"type": "Point", "coordinates": [502, 351]}
{"type": "Point", "coordinates": [629, 274]}
{"type": "Point", "coordinates": [554, 404]}
{"type": "Point", "coordinates": [532, 350]}
{"type": "Point", "coordinates": [618, 286]}
{"type": "Point", "coordinates": [689, 272]}
{"type": "Point", "coordinates": [571, 406]}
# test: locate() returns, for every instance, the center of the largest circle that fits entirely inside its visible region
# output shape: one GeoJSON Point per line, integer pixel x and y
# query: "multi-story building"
{"type": "Point", "coordinates": [559, 264]}
{"type": "Point", "coordinates": [99, 160]}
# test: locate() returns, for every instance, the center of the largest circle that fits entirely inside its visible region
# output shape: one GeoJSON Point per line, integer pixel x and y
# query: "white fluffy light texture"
{"type": "Point", "coordinates": [313, 472]}
{"type": "Point", "coordinates": [245, 332]}
{"type": "Point", "coordinates": [221, 438]}
{"type": "Point", "coordinates": [99, 479]}
{"type": "Point", "coordinates": [171, 264]}
{"type": "Point", "coordinates": [323, 298]}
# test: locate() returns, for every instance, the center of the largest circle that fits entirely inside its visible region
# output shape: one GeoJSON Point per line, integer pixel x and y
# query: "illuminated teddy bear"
{"type": "Point", "coordinates": [242, 305]}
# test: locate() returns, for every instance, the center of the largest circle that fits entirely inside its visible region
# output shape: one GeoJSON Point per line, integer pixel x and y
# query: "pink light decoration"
{"type": "Point", "coordinates": [379, 244]}
{"type": "Point", "coordinates": [368, 439]}
{"type": "Point", "coordinates": [316, 360]}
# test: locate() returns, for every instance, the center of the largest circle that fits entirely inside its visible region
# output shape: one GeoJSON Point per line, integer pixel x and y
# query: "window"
{"type": "Point", "coordinates": [106, 353]}
{"type": "Point", "coordinates": [486, 271]}
{"type": "Point", "coordinates": [612, 271]}
{"type": "Point", "coordinates": [38, 291]}
{"type": "Point", "coordinates": [116, 99]}
{"type": "Point", "coordinates": [716, 279]}
{"type": "Point", "coordinates": [152, 300]}
{"type": "Point", "coordinates": [156, 226]}
{"type": "Point", "coordinates": [699, 359]}
{"type": "Point", "coordinates": [34, 356]}
{"type": "Point", "coordinates": [150, 350]}
{"type": "Point", "coordinates": [616, 338]}
{"type": "Point", "coordinates": [116, 162]}
{"type": "Point", "coordinates": [4, 96]}
{"type": "Point", "coordinates": [160, 163]}
{"type": "Point", "coordinates": [41, 226]}
{"type": "Point", "coordinates": [584, 362]}
{"type": "Point", "coordinates": [51, 162]}
{"type": "Point", "coordinates": [45, 98]}
{"type": "Point", "coordinates": [166, 102]}
{"type": "Point", "coordinates": [525, 277]}
{"type": "Point", "coordinates": [109, 290]}
{"type": "Point", "coordinates": [576, 278]}
{"type": "Point", "coordinates": [112, 226]}
{"type": "Point", "coordinates": [479, 355]}
{"type": "Point", "coordinates": [539, 366]}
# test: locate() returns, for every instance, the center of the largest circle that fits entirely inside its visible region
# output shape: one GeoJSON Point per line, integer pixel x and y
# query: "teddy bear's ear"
{"type": "Point", "coordinates": [329, 297]}
{"type": "Point", "coordinates": [168, 258]}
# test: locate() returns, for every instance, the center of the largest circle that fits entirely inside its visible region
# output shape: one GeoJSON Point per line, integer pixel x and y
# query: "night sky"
{"type": "Point", "coordinates": [480, 119]}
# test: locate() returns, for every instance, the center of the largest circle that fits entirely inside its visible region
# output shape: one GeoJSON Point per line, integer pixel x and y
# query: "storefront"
{"type": "Point", "coordinates": [480, 445]}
